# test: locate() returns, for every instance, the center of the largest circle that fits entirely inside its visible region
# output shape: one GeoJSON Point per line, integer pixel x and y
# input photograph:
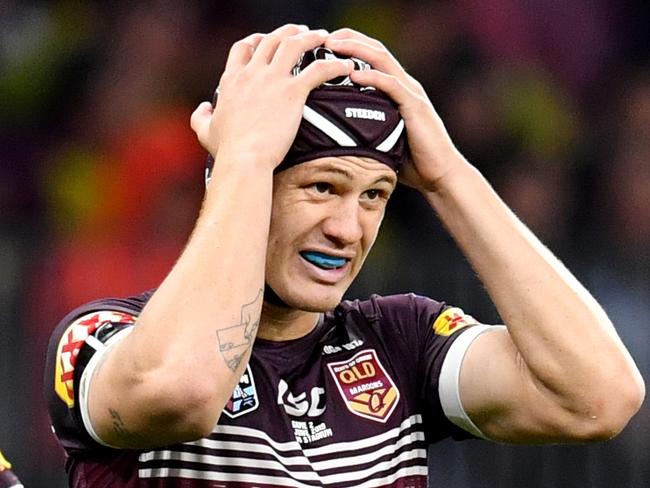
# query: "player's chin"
{"type": "Point", "coordinates": [315, 298]}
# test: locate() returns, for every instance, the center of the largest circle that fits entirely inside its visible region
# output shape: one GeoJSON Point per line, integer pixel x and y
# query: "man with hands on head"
{"type": "Point", "coordinates": [245, 368]}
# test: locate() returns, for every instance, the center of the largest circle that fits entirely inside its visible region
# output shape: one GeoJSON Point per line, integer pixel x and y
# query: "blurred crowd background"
{"type": "Point", "coordinates": [101, 177]}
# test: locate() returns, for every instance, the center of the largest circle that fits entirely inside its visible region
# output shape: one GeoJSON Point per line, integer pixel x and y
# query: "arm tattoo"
{"type": "Point", "coordinates": [118, 425]}
{"type": "Point", "coordinates": [236, 340]}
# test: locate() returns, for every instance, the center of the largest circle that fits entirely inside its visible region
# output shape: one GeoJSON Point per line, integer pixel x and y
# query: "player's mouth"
{"type": "Point", "coordinates": [324, 261]}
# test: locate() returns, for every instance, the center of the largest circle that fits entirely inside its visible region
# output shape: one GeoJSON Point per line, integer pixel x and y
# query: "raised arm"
{"type": "Point", "coordinates": [559, 372]}
{"type": "Point", "coordinates": [169, 379]}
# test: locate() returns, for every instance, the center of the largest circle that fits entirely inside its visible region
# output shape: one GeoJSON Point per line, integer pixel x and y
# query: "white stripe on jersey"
{"type": "Point", "coordinates": [219, 476]}
{"type": "Point", "coordinates": [236, 447]}
{"type": "Point", "coordinates": [392, 478]}
{"type": "Point", "coordinates": [300, 460]}
{"type": "Point", "coordinates": [274, 447]}
{"type": "Point", "coordinates": [364, 443]}
{"type": "Point", "coordinates": [262, 464]}
{"type": "Point", "coordinates": [371, 456]}
{"type": "Point", "coordinates": [216, 461]}
{"type": "Point", "coordinates": [295, 446]}
{"type": "Point", "coordinates": [284, 463]}
{"type": "Point", "coordinates": [254, 478]}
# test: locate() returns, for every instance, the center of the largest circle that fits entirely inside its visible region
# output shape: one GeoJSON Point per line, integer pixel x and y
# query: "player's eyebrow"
{"type": "Point", "coordinates": [385, 178]}
{"type": "Point", "coordinates": [331, 168]}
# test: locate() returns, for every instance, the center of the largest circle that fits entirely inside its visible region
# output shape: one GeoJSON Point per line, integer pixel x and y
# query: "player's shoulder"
{"type": "Point", "coordinates": [109, 308]}
{"type": "Point", "coordinates": [74, 341]}
{"type": "Point", "coordinates": [86, 319]}
{"type": "Point", "coordinates": [401, 312]}
{"type": "Point", "coordinates": [402, 315]}
{"type": "Point", "coordinates": [101, 319]}
{"type": "Point", "coordinates": [393, 307]}
{"type": "Point", "coordinates": [106, 309]}
{"type": "Point", "coordinates": [104, 313]}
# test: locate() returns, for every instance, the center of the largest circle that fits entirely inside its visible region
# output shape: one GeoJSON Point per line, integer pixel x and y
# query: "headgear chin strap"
{"type": "Point", "coordinates": [341, 118]}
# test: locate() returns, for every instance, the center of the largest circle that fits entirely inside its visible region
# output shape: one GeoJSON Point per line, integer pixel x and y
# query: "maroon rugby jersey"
{"type": "Point", "coordinates": [353, 403]}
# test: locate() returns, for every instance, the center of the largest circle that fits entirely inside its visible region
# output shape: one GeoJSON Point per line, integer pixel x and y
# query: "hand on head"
{"type": "Point", "coordinates": [429, 143]}
{"type": "Point", "coordinates": [260, 102]}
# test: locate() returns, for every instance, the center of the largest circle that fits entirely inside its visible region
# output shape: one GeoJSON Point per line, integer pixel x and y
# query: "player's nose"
{"type": "Point", "coordinates": [343, 225]}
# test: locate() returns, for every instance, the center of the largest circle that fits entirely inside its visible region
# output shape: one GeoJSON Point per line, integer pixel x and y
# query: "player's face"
{"type": "Point", "coordinates": [325, 218]}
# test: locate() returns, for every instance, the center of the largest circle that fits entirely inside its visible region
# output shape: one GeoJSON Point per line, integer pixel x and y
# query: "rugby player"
{"type": "Point", "coordinates": [244, 367]}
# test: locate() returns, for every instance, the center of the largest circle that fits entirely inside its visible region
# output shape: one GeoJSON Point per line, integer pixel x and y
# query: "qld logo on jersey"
{"type": "Point", "coordinates": [244, 398]}
{"type": "Point", "coordinates": [367, 389]}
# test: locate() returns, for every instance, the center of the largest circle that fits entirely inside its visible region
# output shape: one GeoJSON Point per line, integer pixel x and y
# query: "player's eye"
{"type": "Point", "coordinates": [376, 195]}
{"type": "Point", "coordinates": [373, 194]}
{"type": "Point", "coordinates": [322, 188]}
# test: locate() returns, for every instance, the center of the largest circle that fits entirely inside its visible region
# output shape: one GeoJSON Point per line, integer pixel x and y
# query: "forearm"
{"type": "Point", "coordinates": [194, 336]}
{"type": "Point", "coordinates": [563, 335]}
{"type": "Point", "coordinates": [220, 271]}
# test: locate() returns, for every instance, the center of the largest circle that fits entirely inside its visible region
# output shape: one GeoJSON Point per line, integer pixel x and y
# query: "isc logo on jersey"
{"type": "Point", "coordinates": [367, 389]}
{"type": "Point", "coordinates": [452, 320]}
{"type": "Point", "coordinates": [244, 396]}
{"type": "Point", "coordinates": [70, 344]}
{"type": "Point", "coordinates": [300, 404]}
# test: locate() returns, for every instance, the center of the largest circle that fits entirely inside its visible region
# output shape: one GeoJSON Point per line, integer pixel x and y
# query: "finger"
{"type": "Point", "coordinates": [201, 117]}
{"type": "Point", "coordinates": [291, 48]}
{"type": "Point", "coordinates": [267, 47]}
{"type": "Point", "coordinates": [378, 56]}
{"type": "Point", "coordinates": [242, 51]}
{"type": "Point", "coordinates": [391, 85]}
{"type": "Point", "coordinates": [347, 33]}
{"type": "Point", "coordinates": [406, 84]}
{"type": "Point", "coordinates": [323, 70]}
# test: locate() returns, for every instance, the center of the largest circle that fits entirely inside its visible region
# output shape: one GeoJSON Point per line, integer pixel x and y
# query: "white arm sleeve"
{"type": "Point", "coordinates": [102, 349]}
{"type": "Point", "coordinates": [449, 382]}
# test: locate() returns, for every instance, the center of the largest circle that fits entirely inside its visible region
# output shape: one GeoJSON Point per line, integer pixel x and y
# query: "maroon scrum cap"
{"type": "Point", "coordinates": [341, 118]}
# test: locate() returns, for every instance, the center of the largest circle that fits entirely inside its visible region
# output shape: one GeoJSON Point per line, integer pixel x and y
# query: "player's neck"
{"type": "Point", "coordinates": [283, 324]}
